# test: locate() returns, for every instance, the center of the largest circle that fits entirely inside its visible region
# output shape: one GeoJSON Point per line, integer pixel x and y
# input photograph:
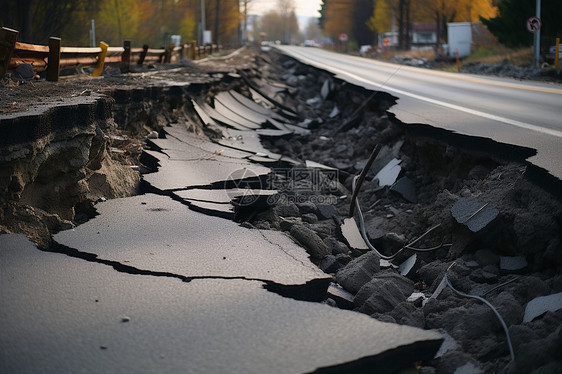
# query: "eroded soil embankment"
{"type": "Point", "coordinates": [75, 155]}
{"type": "Point", "coordinates": [499, 233]}
{"type": "Point", "coordinates": [58, 158]}
{"type": "Point", "coordinates": [440, 164]}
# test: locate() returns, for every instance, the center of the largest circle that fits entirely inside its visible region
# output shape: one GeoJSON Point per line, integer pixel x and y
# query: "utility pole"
{"type": "Point", "coordinates": [203, 26]}
{"type": "Point", "coordinates": [537, 39]}
{"type": "Point", "coordinates": [245, 29]}
{"type": "Point", "coordinates": [217, 22]}
{"type": "Point", "coordinates": [93, 33]}
{"type": "Point", "coordinates": [118, 12]}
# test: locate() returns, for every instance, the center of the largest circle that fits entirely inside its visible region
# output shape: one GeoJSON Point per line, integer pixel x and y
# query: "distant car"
{"type": "Point", "coordinates": [265, 46]}
{"type": "Point", "coordinates": [365, 50]}
{"type": "Point", "coordinates": [549, 57]}
{"type": "Point", "coordinates": [309, 43]}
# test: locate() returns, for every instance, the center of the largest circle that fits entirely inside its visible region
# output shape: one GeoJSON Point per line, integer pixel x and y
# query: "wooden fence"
{"type": "Point", "coordinates": [52, 57]}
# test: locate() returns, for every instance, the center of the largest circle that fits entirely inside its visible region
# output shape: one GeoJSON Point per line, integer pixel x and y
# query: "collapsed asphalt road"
{"type": "Point", "coordinates": [148, 278]}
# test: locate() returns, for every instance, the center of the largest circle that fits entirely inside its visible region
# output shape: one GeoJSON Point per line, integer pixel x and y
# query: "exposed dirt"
{"type": "Point", "coordinates": [54, 166]}
{"type": "Point", "coordinates": [445, 170]}
{"type": "Point", "coordinates": [444, 173]}
{"type": "Point", "coordinates": [20, 96]}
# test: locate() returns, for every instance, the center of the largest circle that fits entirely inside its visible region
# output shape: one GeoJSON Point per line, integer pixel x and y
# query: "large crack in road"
{"type": "Point", "coordinates": [490, 214]}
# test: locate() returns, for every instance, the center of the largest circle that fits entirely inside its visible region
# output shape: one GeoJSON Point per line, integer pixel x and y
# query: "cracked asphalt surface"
{"type": "Point", "coordinates": [133, 284]}
{"type": "Point", "coordinates": [149, 285]}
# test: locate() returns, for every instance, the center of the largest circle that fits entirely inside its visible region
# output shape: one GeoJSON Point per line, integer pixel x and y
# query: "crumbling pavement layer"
{"type": "Point", "coordinates": [510, 257]}
{"type": "Point", "coordinates": [150, 283]}
{"type": "Point", "coordinates": [489, 220]}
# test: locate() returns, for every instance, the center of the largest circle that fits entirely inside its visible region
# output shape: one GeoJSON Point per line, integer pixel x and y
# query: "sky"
{"type": "Point", "coordinates": [304, 8]}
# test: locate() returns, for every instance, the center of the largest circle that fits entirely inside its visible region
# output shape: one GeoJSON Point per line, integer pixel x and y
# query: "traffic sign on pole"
{"type": "Point", "coordinates": [533, 24]}
{"type": "Point", "coordinates": [343, 37]}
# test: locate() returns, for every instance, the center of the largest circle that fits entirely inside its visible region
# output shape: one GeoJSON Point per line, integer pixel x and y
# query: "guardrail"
{"type": "Point", "coordinates": [52, 57]}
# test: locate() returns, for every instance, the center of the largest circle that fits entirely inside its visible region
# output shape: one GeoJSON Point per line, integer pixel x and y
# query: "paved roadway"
{"type": "Point", "coordinates": [153, 285]}
{"type": "Point", "coordinates": [525, 114]}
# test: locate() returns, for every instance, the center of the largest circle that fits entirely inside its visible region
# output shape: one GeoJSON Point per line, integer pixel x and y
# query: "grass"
{"type": "Point", "coordinates": [389, 54]}
{"type": "Point", "coordinates": [500, 54]}
{"type": "Point", "coordinates": [491, 54]}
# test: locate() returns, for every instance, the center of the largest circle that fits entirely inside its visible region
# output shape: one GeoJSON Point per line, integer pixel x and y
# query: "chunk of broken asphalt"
{"type": "Point", "coordinates": [329, 264]}
{"type": "Point", "coordinates": [51, 322]}
{"type": "Point", "coordinates": [512, 264]}
{"type": "Point", "coordinates": [388, 174]}
{"type": "Point", "coordinates": [409, 267]}
{"type": "Point", "coordinates": [351, 234]}
{"type": "Point", "coordinates": [343, 298]}
{"type": "Point", "coordinates": [358, 272]}
{"type": "Point", "coordinates": [405, 188]}
{"type": "Point", "coordinates": [157, 234]}
{"type": "Point", "coordinates": [383, 292]}
{"type": "Point", "coordinates": [325, 211]}
{"type": "Point", "coordinates": [335, 246]}
{"type": "Point", "coordinates": [311, 241]}
{"type": "Point", "coordinates": [473, 213]}
{"type": "Point", "coordinates": [542, 304]}
{"type": "Point", "coordinates": [178, 173]}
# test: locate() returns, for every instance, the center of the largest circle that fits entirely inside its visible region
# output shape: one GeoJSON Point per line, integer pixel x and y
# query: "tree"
{"type": "Point", "coordinates": [36, 20]}
{"type": "Point", "coordinates": [286, 9]}
{"type": "Point", "coordinates": [439, 12]}
{"type": "Point", "coordinates": [338, 17]}
{"type": "Point", "coordinates": [271, 26]}
{"type": "Point", "coordinates": [360, 30]}
{"type": "Point", "coordinates": [322, 18]}
{"type": "Point", "coordinates": [390, 12]}
{"type": "Point", "coordinates": [509, 25]}
{"type": "Point", "coordinates": [443, 12]}
{"type": "Point", "coordinates": [278, 26]}
{"type": "Point", "coordinates": [383, 16]}
{"type": "Point", "coordinates": [312, 30]}
{"type": "Point", "coordinates": [117, 20]}
{"type": "Point", "coordinates": [149, 22]}
{"type": "Point", "coordinates": [246, 4]}
{"type": "Point", "coordinates": [25, 18]}
{"type": "Point", "coordinates": [223, 18]}
{"type": "Point", "coordinates": [188, 26]}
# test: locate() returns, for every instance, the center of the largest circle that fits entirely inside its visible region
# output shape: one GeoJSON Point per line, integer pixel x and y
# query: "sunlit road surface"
{"type": "Point", "coordinates": [515, 112]}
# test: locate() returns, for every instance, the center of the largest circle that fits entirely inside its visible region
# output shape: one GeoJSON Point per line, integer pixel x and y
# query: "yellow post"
{"type": "Point", "coordinates": [99, 67]}
{"type": "Point", "coordinates": [557, 53]}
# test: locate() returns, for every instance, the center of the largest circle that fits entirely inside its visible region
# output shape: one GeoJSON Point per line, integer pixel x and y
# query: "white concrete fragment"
{"type": "Point", "coordinates": [415, 296]}
{"type": "Point", "coordinates": [407, 265]}
{"type": "Point", "coordinates": [325, 90]}
{"type": "Point", "coordinates": [388, 174]}
{"type": "Point", "coordinates": [442, 285]}
{"type": "Point", "coordinates": [351, 233]}
{"type": "Point", "coordinates": [542, 304]}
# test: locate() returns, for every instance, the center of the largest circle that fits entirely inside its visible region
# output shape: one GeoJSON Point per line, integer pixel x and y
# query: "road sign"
{"type": "Point", "coordinates": [533, 24]}
{"type": "Point", "coordinates": [343, 37]}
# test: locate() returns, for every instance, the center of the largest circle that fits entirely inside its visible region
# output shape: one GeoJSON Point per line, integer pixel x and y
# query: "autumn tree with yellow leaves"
{"type": "Point", "coordinates": [348, 17]}
{"type": "Point", "coordinates": [344, 16]}
{"type": "Point", "coordinates": [438, 12]}
{"type": "Point", "coordinates": [149, 22]}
